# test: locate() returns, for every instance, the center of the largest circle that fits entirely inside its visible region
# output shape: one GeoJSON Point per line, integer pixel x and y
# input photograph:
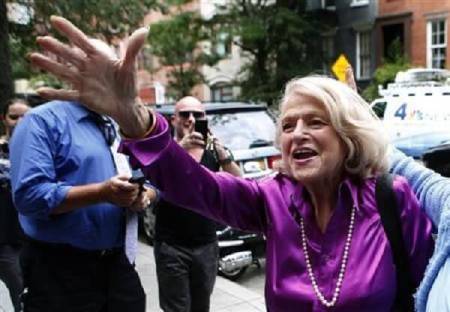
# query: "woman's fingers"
{"type": "Point", "coordinates": [56, 94]}
{"type": "Point", "coordinates": [350, 78]}
{"type": "Point", "coordinates": [69, 54]}
{"type": "Point", "coordinates": [61, 71]}
{"type": "Point", "coordinates": [135, 43]}
{"type": "Point", "coordinates": [73, 33]}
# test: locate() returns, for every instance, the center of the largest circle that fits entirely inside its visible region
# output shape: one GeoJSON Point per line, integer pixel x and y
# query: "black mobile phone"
{"type": "Point", "coordinates": [201, 126]}
{"type": "Point", "coordinates": [138, 180]}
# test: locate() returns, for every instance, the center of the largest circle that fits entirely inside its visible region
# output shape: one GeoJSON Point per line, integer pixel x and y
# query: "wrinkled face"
{"type": "Point", "coordinates": [312, 151]}
{"type": "Point", "coordinates": [14, 115]}
{"type": "Point", "coordinates": [186, 112]}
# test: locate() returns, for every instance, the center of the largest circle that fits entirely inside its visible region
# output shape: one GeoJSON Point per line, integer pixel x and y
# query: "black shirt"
{"type": "Point", "coordinates": [10, 230]}
{"type": "Point", "coordinates": [177, 225]}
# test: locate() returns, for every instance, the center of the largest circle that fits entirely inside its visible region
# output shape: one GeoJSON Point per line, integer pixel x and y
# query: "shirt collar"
{"type": "Point", "coordinates": [79, 111]}
{"type": "Point", "coordinates": [295, 192]}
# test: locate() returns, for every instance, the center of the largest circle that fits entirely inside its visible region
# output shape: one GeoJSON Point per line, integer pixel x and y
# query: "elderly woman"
{"type": "Point", "coordinates": [326, 246]}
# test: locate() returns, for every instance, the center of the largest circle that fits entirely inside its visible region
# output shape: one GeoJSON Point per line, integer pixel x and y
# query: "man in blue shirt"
{"type": "Point", "coordinates": [70, 199]}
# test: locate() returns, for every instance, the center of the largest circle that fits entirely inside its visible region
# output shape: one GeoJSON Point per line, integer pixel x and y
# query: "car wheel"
{"type": "Point", "coordinates": [148, 225]}
{"type": "Point", "coordinates": [234, 274]}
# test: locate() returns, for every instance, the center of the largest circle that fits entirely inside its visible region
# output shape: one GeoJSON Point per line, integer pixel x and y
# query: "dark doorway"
{"type": "Point", "coordinates": [393, 41]}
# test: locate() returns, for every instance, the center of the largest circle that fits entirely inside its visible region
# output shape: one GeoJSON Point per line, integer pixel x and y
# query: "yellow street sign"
{"type": "Point", "coordinates": [340, 66]}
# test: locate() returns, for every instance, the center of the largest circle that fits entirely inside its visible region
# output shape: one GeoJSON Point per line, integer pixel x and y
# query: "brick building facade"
{"type": "Point", "coordinates": [421, 27]}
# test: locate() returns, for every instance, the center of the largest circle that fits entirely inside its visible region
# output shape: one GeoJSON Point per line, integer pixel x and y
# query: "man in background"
{"type": "Point", "coordinates": [186, 249]}
{"type": "Point", "coordinates": [73, 194]}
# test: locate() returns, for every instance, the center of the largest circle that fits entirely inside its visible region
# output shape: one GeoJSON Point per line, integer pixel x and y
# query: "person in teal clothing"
{"type": "Point", "coordinates": [433, 192]}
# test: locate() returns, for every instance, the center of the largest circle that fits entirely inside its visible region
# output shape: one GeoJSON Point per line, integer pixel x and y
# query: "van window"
{"type": "Point", "coordinates": [379, 107]}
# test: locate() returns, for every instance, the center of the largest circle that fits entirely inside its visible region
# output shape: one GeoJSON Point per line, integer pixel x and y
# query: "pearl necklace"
{"type": "Point", "coordinates": [325, 302]}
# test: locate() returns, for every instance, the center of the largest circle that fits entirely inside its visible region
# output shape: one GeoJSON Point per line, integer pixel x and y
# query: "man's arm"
{"type": "Point", "coordinates": [232, 168]}
{"type": "Point", "coordinates": [432, 190]}
{"type": "Point", "coordinates": [116, 191]}
{"type": "Point", "coordinates": [226, 159]}
{"type": "Point", "coordinates": [38, 190]}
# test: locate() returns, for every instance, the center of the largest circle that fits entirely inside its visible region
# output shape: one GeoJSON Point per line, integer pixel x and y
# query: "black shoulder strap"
{"type": "Point", "coordinates": [390, 218]}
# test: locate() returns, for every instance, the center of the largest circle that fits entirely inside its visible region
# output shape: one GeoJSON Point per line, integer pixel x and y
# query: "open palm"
{"type": "Point", "coordinates": [99, 80]}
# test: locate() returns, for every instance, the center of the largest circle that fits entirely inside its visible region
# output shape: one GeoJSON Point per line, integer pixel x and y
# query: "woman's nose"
{"type": "Point", "coordinates": [300, 129]}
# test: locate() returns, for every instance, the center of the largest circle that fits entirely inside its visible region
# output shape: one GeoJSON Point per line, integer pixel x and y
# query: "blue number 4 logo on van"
{"type": "Point", "coordinates": [401, 111]}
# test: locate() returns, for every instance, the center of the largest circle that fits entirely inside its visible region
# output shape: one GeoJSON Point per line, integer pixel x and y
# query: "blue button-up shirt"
{"type": "Point", "coordinates": [55, 147]}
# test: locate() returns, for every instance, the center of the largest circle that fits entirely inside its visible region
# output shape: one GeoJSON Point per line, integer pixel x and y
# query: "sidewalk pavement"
{"type": "Point", "coordinates": [227, 296]}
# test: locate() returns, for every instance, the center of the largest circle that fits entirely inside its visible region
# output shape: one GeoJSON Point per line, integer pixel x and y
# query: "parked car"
{"type": "Point", "coordinates": [246, 129]}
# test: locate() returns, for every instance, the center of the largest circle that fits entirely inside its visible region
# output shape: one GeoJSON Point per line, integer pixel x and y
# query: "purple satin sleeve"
{"type": "Point", "coordinates": [181, 180]}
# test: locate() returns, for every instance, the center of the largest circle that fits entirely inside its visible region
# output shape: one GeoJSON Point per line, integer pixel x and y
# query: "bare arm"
{"type": "Point", "coordinates": [226, 160]}
{"type": "Point", "coordinates": [232, 168]}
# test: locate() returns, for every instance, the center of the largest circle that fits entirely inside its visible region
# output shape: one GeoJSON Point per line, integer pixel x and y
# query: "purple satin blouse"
{"type": "Point", "coordinates": [270, 206]}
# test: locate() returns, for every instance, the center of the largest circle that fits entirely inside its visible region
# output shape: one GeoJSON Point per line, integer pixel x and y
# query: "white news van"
{"type": "Point", "coordinates": [416, 110]}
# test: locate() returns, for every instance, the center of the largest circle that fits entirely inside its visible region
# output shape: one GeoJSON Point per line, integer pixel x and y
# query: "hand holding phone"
{"type": "Point", "coordinates": [201, 126]}
{"type": "Point", "coordinates": [139, 180]}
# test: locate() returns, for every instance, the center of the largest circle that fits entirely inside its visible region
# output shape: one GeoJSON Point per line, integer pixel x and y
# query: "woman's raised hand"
{"type": "Point", "coordinates": [99, 80]}
{"type": "Point", "coordinates": [350, 78]}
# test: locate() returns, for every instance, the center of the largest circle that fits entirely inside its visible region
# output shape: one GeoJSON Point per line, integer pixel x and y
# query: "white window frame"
{"type": "Point", "coordinates": [431, 46]}
{"type": "Point", "coordinates": [358, 54]}
{"type": "Point", "coordinates": [222, 92]}
{"type": "Point", "coordinates": [358, 3]}
{"type": "Point", "coordinates": [329, 7]}
{"type": "Point", "coordinates": [328, 56]}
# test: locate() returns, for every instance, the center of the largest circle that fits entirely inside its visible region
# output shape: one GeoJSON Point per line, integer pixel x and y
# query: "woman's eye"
{"type": "Point", "coordinates": [316, 122]}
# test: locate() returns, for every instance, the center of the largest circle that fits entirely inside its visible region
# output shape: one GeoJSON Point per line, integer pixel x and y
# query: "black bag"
{"type": "Point", "coordinates": [390, 218]}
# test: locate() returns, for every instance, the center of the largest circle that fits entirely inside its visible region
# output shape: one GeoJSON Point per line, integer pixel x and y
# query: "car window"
{"type": "Point", "coordinates": [243, 130]}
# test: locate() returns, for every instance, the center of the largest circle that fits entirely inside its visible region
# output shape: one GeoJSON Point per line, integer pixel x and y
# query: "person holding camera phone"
{"type": "Point", "coordinates": [186, 248]}
{"type": "Point", "coordinates": [11, 234]}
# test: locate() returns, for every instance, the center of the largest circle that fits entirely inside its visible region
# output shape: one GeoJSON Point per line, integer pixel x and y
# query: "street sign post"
{"type": "Point", "coordinates": [340, 66]}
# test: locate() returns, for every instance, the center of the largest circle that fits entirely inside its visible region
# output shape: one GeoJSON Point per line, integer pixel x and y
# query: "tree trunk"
{"type": "Point", "coordinates": [6, 83]}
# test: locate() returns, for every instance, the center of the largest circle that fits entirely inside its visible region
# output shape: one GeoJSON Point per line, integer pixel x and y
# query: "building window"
{"type": "Point", "coordinates": [223, 44]}
{"type": "Point", "coordinates": [329, 4]}
{"type": "Point", "coordinates": [436, 43]}
{"type": "Point", "coordinates": [328, 52]}
{"type": "Point", "coordinates": [221, 92]}
{"type": "Point", "coordinates": [363, 63]}
{"type": "Point", "coordinates": [356, 3]}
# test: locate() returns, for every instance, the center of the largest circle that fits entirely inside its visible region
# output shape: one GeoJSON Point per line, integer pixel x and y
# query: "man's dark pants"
{"type": "Point", "coordinates": [62, 278]}
{"type": "Point", "coordinates": [10, 272]}
{"type": "Point", "coordinates": [186, 276]}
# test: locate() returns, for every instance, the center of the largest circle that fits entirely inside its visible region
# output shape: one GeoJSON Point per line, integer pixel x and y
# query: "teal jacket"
{"type": "Point", "coordinates": [433, 192]}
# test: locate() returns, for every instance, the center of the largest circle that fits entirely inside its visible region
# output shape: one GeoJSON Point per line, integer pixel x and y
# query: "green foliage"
{"type": "Point", "coordinates": [277, 37]}
{"type": "Point", "coordinates": [394, 62]}
{"type": "Point", "coordinates": [105, 19]}
{"type": "Point", "coordinates": [176, 43]}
